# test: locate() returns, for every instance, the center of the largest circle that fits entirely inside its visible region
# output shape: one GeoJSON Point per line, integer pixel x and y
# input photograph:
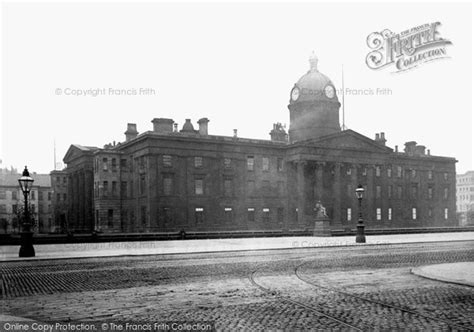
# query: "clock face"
{"type": "Point", "coordinates": [329, 91]}
{"type": "Point", "coordinates": [295, 93]}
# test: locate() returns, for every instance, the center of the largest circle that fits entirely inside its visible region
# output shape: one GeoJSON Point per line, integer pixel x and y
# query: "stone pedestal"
{"type": "Point", "coordinates": [322, 227]}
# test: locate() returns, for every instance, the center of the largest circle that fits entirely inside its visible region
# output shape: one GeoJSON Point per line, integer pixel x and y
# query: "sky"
{"type": "Point", "coordinates": [234, 63]}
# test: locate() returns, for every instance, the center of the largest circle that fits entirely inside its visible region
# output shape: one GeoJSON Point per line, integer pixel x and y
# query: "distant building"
{"type": "Point", "coordinates": [170, 180]}
{"type": "Point", "coordinates": [11, 202]}
{"type": "Point", "coordinates": [465, 198]}
{"type": "Point", "coordinates": [59, 200]}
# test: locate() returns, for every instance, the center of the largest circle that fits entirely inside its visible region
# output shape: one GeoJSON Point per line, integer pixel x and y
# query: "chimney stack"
{"type": "Point", "coordinates": [131, 132]}
{"type": "Point", "coordinates": [380, 138]}
{"type": "Point", "coordinates": [410, 148]}
{"type": "Point", "coordinates": [162, 126]}
{"type": "Point", "coordinates": [203, 126]}
{"type": "Point", "coordinates": [428, 152]}
{"type": "Point", "coordinates": [188, 127]}
{"type": "Point", "coordinates": [235, 133]}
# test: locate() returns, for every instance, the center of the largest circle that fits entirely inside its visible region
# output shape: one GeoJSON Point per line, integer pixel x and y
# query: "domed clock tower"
{"type": "Point", "coordinates": [314, 107]}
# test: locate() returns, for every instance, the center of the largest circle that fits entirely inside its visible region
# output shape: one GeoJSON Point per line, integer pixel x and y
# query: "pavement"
{"type": "Point", "coordinates": [459, 273]}
{"type": "Point", "coordinates": [112, 249]}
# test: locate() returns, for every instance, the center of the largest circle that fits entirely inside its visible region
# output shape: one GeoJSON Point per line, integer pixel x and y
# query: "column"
{"type": "Point", "coordinates": [337, 195]}
{"type": "Point", "coordinates": [318, 188]}
{"type": "Point", "coordinates": [300, 191]}
{"type": "Point", "coordinates": [369, 211]}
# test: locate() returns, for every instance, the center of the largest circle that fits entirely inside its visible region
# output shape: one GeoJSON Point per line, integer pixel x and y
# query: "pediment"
{"type": "Point", "coordinates": [76, 151]}
{"type": "Point", "coordinates": [350, 139]}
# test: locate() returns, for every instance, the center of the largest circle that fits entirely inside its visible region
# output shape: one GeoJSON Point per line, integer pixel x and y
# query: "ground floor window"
{"type": "Point", "coordinates": [251, 214]}
{"type": "Point", "coordinates": [228, 215]}
{"type": "Point", "coordinates": [110, 218]}
{"type": "Point", "coordinates": [280, 216]}
{"type": "Point", "coordinates": [349, 214]}
{"type": "Point", "coordinates": [446, 214]}
{"type": "Point", "coordinates": [199, 215]}
{"type": "Point", "coordinates": [266, 215]}
{"type": "Point", "coordinates": [413, 213]}
{"type": "Point", "coordinates": [378, 213]}
{"type": "Point", "coordinates": [389, 214]}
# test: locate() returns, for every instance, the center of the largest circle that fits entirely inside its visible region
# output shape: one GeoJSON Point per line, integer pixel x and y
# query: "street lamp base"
{"type": "Point", "coordinates": [26, 248]}
{"type": "Point", "coordinates": [360, 237]}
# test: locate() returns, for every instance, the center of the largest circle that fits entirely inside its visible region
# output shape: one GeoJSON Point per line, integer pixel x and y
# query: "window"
{"type": "Point", "coordinates": [168, 185]}
{"type": "Point", "coordinates": [266, 215]}
{"type": "Point", "coordinates": [228, 215]}
{"type": "Point", "coordinates": [250, 187]}
{"type": "Point", "coordinates": [114, 165]}
{"type": "Point", "coordinates": [414, 191]}
{"type": "Point", "coordinates": [105, 189]}
{"type": "Point", "coordinates": [378, 192]}
{"type": "Point", "coordinates": [227, 163]}
{"type": "Point", "coordinates": [446, 193]}
{"type": "Point", "coordinates": [49, 195]}
{"type": "Point", "coordinates": [110, 217]}
{"type": "Point", "coordinates": [3, 208]}
{"type": "Point", "coordinates": [33, 195]}
{"type": "Point", "coordinates": [266, 186]}
{"type": "Point", "coordinates": [349, 214]}
{"type": "Point", "coordinates": [430, 212]}
{"type": "Point", "coordinates": [3, 194]}
{"type": "Point", "coordinates": [445, 213]}
{"type": "Point", "coordinates": [199, 186]}
{"type": "Point", "coordinates": [349, 171]}
{"type": "Point", "coordinates": [143, 215]}
{"type": "Point", "coordinates": [58, 197]}
{"type": "Point", "coordinates": [250, 214]}
{"type": "Point", "coordinates": [430, 175]}
{"type": "Point", "coordinates": [389, 191]}
{"type": "Point", "coordinates": [389, 214]}
{"type": "Point", "coordinates": [280, 164]}
{"type": "Point", "coordinates": [33, 208]}
{"type": "Point", "coordinates": [167, 161]}
{"type": "Point", "coordinates": [167, 215]}
{"type": "Point", "coordinates": [445, 175]}
{"type": "Point", "coordinates": [15, 208]}
{"type": "Point", "coordinates": [430, 192]}
{"type": "Point", "coordinates": [378, 213]}
{"type": "Point", "coordinates": [40, 195]}
{"type": "Point", "coordinates": [399, 192]}
{"type": "Point", "coordinates": [364, 171]}
{"type": "Point", "coordinates": [280, 215]}
{"type": "Point", "coordinates": [250, 163]}
{"type": "Point", "coordinates": [14, 195]}
{"type": "Point", "coordinates": [399, 171]}
{"type": "Point", "coordinates": [389, 172]}
{"type": "Point", "coordinates": [281, 187]}
{"type": "Point", "coordinates": [199, 215]}
{"type": "Point", "coordinates": [123, 189]}
{"type": "Point", "coordinates": [413, 173]}
{"type": "Point", "coordinates": [114, 188]}
{"type": "Point", "coordinates": [377, 170]}
{"type": "Point", "coordinates": [227, 187]}
{"type": "Point", "coordinates": [413, 213]}
{"type": "Point", "coordinates": [142, 184]}
{"type": "Point", "coordinates": [198, 162]}
{"type": "Point", "coordinates": [123, 163]}
{"type": "Point", "coordinates": [64, 197]}
{"type": "Point", "coordinates": [265, 164]}
{"type": "Point", "coordinates": [105, 167]}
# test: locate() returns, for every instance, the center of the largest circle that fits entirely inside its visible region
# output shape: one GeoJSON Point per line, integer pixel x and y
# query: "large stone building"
{"type": "Point", "coordinates": [12, 202]}
{"type": "Point", "coordinates": [170, 180]}
{"type": "Point", "coordinates": [465, 198]}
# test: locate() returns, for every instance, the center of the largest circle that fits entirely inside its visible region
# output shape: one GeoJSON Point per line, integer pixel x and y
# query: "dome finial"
{"type": "Point", "coordinates": [313, 62]}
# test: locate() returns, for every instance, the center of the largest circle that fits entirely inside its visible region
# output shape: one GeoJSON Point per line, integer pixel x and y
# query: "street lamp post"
{"type": "Point", "coordinates": [360, 237]}
{"type": "Point", "coordinates": [26, 234]}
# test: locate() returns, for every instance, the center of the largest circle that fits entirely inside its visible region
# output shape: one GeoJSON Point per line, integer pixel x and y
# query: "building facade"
{"type": "Point", "coordinates": [12, 202]}
{"type": "Point", "coordinates": [168, 180]}
{"type": "Point", "coordinates": [465, 198]}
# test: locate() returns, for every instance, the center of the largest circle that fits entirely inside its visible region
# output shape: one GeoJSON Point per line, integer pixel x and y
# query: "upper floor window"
{"type": "Point", "coordinates": [413, 173]}
{"type": "Point", "coordinates": [430, 175]}
{"type": "Point", "coordinates": [167, 160]}
{"type": "Point", "coordinates": [389, 172]}
{"type": "Point", "coordinates": [114, 165]}
{"type": "Point", "coordinates": [265, 164]}
{"type": "Point", "coordinates": [250, 163]}
{"type": "Point", "coordinates": [227, 187]}
{"type": "Point", "coordinates": [377, 170]}
{"type": "Point", "coordinates": [168, 185]}
{"type": "Point", "coordinates": [280, 164]}
{"type": "Point", "coordinates": [198, 162]}
{"type": "Point", "coordinates": [399, 171]}
{"type": "Point", "coordinates": [446, 193]}
{"type": "Point", "coordinates": [105, 165]}
{"type": "Point", "coordinates": [227, 163]}
{"type": "Point", "coordinates": [199, 186]}
{"type": "Point", "coordinates": [445, 175]}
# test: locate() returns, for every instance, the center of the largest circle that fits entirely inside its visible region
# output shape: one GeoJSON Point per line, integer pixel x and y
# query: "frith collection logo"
{"type": "Point", "coordinates": [406, 50]}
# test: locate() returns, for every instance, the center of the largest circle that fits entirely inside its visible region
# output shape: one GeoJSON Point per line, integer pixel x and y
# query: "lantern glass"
{"type": "Point", "coordinates": [25, 181]}
{"type": "Point", "coordinates": [360, 192]}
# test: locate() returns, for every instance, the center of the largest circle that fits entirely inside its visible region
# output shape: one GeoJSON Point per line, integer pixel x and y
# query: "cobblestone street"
{"type": "Point", "coordinates": [341, 288]}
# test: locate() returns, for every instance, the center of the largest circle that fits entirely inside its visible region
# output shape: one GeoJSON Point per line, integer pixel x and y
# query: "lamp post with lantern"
{"type": "Point", "coordinates": [360, 237]}
{"type": "Point", "coordinates": [26, 234]}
